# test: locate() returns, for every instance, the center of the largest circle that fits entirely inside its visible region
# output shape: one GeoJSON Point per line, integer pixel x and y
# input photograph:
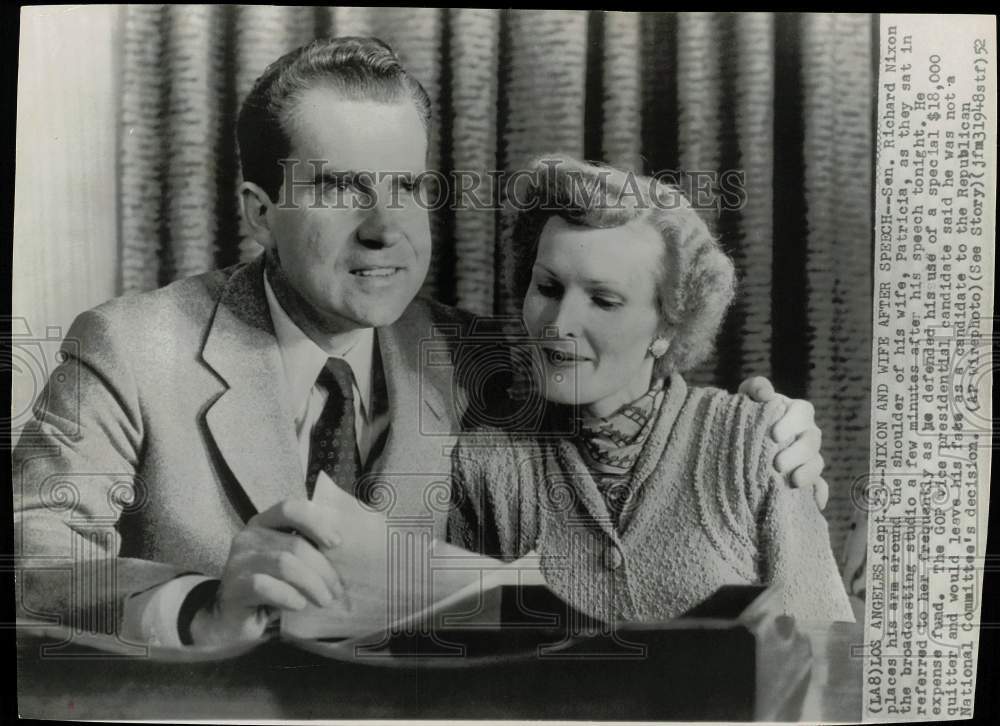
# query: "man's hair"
{"type": "Point", "coordinates": [695, 282]}
{"type": "Point", "coordinates": [356, 68]}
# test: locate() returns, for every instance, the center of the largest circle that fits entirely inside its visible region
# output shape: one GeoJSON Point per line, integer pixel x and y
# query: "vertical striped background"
{"type": "Point", "coordinates": [785, 98]}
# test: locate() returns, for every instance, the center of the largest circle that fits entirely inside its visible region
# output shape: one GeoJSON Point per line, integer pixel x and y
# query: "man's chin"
{"type": "Point", "coordinates": [364, 309]}
{"type": "Point", "coordinates": [377, 317]}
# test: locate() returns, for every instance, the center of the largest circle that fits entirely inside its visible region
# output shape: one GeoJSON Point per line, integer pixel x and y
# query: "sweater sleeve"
{"type": "Point", "coordinates": [465, 520]}
{"type": "Point", "coordinates": [793, 538]}
{"type": "Point", "coordinates": [485, 512]}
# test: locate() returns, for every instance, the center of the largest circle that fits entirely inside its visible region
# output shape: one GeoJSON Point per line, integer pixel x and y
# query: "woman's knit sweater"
{"type": "Point", "coordinates": [708, 509]}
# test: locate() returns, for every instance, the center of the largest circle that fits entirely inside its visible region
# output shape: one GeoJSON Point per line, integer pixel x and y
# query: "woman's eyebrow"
{"type": "Point", "coordinates": [608, 285]}
{"type": "Point", "coordinates": [607, 290]}
{"type": "Point", "coordinates": [590, 282]}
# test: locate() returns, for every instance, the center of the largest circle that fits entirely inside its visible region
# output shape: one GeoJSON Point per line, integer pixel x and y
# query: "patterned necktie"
{"type": "Point", "coordinates": [333, 447]}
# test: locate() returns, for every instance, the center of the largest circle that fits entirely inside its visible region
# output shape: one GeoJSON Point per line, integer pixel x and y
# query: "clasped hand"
{"type": "Point", "coordinates": [275, 563]}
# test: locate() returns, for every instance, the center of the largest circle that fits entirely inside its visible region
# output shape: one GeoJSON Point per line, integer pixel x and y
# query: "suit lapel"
{"type": "Point", "coordinates": [423, 423]}
{"type": "Point", "coordinates": [251, 422]}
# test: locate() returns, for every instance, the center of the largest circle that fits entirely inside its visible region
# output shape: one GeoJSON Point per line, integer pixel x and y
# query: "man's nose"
{"type": "Point", "coordinates": [380, 226]}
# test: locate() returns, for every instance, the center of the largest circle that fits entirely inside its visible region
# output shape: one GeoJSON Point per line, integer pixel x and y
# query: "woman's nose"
{"type": "Point", "coordinates": [566, 319]}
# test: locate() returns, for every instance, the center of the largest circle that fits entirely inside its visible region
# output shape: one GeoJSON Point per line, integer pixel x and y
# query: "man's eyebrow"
{"type": "Point", "coordinates": [326, 176]}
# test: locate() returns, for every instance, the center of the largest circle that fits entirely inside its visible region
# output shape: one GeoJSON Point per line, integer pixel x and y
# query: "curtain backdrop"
{"type": "Point", "coordinates": [786, 98]}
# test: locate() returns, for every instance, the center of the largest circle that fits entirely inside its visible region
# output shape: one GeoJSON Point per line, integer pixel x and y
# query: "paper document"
{"type": "Point", "coordinates": [395, 573]}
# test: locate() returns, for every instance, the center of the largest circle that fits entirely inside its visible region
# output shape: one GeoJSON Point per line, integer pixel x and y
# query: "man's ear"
{"type": "Point", "coordinates": [256, 207]}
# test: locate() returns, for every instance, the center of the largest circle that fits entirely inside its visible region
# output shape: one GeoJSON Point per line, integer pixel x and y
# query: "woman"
{"type": "Point", "coordinates": [665, 491]}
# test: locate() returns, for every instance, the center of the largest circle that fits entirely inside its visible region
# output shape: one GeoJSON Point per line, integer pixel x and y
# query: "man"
{"type": "Point", "coordinates": [170, 468]}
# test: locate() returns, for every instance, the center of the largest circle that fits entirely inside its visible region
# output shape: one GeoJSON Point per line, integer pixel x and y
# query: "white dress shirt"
{"type": "Point", "coordinates": [303, 360]}
{"type": "Point", "coordinates": [152, 615]}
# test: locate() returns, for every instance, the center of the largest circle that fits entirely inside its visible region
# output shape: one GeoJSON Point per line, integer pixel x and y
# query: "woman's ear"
{"type": "Point", "coordinates": [256, 206]}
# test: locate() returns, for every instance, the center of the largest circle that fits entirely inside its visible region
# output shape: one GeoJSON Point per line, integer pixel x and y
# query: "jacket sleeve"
{"type": "Point", "coordinates": [793, 537]}
{"type": "Point", "coordinates": [74, 474]}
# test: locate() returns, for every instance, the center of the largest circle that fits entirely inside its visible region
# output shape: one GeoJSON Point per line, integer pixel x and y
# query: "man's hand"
{"type": "Point", "coordinates": [275, 563]}
{"type": "Point", "coordinates": [799, 460]}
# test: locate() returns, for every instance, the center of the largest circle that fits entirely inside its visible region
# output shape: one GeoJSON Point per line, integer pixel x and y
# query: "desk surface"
{"type": "Point", "coordinates": [834, 692]}
{"type": "Point", "coordinates": [277, 681]}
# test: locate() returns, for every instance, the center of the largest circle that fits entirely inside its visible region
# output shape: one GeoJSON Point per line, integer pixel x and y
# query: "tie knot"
{"type": "Point", "coordinates": [337, 376]}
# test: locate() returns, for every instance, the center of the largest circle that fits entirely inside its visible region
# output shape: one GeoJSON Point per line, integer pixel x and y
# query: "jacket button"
{"type": "Point", "coordinates": [614, 558]}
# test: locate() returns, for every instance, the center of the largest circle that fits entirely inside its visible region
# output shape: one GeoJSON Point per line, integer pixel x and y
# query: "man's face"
{"type": "Point", "coordinates": [352, 250]}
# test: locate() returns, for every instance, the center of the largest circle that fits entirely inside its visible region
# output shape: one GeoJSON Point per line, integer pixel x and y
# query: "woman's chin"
{"type": "Point", "coordinates": [562, 389]}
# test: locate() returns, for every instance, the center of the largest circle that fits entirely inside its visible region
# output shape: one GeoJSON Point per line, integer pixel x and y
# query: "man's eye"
{"type": "Point", "coordinates": [356, 183]}
{"type": "Point", "coordinates": [337, 185]}
{"type": "Point", "coordinates": [410, 185]}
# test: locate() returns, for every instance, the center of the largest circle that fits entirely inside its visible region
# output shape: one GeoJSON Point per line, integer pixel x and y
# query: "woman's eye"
{"type": "Point", "coordinates": [605, 303]}
{"type": "Point", "coordinates": [548, 289]}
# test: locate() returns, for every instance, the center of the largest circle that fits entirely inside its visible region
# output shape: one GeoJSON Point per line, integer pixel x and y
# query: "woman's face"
{"type": "Point", "coordinates": [592, 304]}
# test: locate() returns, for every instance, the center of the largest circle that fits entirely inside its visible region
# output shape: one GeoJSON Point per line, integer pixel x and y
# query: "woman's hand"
{"type": "Point", "coordinates": [796, 432]}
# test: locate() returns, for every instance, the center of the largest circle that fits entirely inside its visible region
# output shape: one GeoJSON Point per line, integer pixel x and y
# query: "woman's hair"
{"type": "Point", "coordinates": [695, 280]}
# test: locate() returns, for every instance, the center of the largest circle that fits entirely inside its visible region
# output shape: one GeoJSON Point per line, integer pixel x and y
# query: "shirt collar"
{"type": "Point", "coordinates": [303, 359]}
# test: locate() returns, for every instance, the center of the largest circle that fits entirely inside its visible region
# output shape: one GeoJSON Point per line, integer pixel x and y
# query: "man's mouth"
{"type": "Point", "coordinates": [376, 271]}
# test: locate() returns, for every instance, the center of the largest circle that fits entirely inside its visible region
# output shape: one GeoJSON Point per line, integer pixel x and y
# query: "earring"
{"type": "Point", "coordinates": [658, 347]}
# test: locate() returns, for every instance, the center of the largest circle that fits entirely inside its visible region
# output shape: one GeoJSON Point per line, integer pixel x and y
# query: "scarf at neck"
{"type": "Point", "coordinates": [611, 445]}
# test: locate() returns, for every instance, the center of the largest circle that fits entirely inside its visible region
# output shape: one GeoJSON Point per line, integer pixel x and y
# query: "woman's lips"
{"type": "Point", "coordinates": [562, 358]}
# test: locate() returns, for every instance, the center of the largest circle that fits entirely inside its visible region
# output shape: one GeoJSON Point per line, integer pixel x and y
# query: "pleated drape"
{"type": "Point", "coordinates": [838, 190]}
{"type": "Point", "coordinates": [785, 100]}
